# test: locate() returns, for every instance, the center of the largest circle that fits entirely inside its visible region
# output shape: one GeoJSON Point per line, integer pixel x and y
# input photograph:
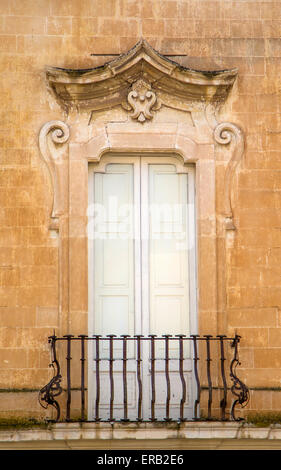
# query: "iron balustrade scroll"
{"type": "Point", "coordinates": [48, 394]}
{"type": "Point", "coordinates": [214, 362]}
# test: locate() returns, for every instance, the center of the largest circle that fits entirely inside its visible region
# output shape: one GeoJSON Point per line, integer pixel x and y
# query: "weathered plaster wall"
{"type": "Point", "coordinates": [203, 34]}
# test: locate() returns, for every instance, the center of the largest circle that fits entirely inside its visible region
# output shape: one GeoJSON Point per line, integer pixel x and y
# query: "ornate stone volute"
{"type": "Point", "coordinates": [224, 134]}
{"type": "Point", "coordinates": [53, 137]}
{"type": "Point", "coordinates": [142, 100]}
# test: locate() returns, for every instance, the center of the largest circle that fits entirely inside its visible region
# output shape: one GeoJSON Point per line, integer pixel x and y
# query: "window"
{"type": "Point", "coordinates": [141, 261]}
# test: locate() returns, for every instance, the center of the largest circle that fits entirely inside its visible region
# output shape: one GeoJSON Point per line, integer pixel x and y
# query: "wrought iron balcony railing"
{"type": "Point", "coordinates": [137, 378]}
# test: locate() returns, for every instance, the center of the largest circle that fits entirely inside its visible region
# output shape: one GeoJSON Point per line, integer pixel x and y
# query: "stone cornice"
{"type": "Point", "coordinates": [109, 85]}
{"type": "Point", "coordinates": [190, 435]}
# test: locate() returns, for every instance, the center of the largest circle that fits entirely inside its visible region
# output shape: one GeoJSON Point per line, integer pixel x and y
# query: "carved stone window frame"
{"type": "Point", "coordinates": [114, 108]}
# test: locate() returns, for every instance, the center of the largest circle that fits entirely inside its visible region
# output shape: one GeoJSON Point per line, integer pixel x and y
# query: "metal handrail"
{"type": "Point", "coordinates": [49, 394]}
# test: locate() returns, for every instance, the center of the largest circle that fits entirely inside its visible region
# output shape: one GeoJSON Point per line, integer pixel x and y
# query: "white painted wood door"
{"type": "Point", "coordinates": [141, 275]}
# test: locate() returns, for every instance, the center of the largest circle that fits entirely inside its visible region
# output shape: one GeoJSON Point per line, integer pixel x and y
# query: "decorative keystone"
{"type": "Point", "coordinates": [141, 99]}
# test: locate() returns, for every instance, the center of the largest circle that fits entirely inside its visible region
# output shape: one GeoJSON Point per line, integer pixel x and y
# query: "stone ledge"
{"type": "Point", "coordinates": [190, 435]}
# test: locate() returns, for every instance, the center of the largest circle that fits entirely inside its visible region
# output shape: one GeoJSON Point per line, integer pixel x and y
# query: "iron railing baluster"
{"type": "Point", "coordinates": [111, 378]}
{"type": "Point", "coordinates": [138, 337]}
{"type": "Point", "coordinates": [195, 361]}
{"type": "Point", "coordinates": [82, 376]}
{"type": "Point", "coordinates": [223, 402]}
{"type": "Point", "coordinates": [68, 372]}
{"type": "Point", "coordinates": [152, 361]}
{"type": "Point", "coordinates": [183, 383]}
{"type": "Point", "coordinates": [97, 361]}
{"type": "Point", "coordinates": [167, 374]}
{"type": "Point", "coordinates": [210, 387]}
{"type": "Point", "coordinates": [125, 393]}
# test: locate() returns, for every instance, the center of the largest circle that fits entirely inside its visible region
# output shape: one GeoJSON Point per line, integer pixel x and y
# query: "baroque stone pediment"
{"type": "Point", "coordinates": [119, 82]}
{"type": "Point", "coordinates": [142, 82]}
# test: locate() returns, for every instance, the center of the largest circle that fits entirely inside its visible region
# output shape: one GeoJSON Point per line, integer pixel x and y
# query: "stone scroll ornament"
{"type": "Point", "coordinates": [52, 135]}
{"type": "Point", "coordinates": [142, 101]}
{"type": "Point", "coordinates": [224, 133]}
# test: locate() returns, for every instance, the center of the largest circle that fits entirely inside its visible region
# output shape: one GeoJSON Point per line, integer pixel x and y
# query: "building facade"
{"type": "Point", "coordinates": [169, 105]}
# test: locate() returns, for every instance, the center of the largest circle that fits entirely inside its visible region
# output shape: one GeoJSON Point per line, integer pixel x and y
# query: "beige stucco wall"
{"type": "Point", "coordinates": [202, 34]}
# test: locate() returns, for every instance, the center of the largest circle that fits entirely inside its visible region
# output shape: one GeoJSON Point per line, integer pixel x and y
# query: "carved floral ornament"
{"type": "Point", "coordinates": [143, 82]}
